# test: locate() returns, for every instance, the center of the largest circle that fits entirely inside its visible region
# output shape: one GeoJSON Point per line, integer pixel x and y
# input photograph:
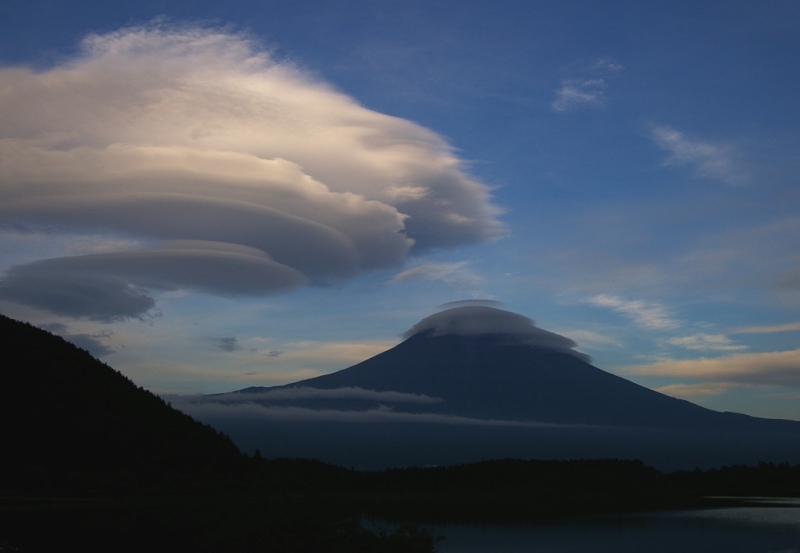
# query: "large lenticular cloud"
{"type": "Point", "coordinates": [219, 160]}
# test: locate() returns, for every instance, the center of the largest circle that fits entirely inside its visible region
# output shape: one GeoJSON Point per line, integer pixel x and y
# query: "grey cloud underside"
{"type": "Point", "coordinates": [310, 247]}
{"type": "Point", "coordinates": [111, 286]}
{"type": "Point", "coordinates": [92, 297]}
{"type": "Point", "coordinates": [192, 135]}
{"type": "Point", "coordinates": [227, 343]}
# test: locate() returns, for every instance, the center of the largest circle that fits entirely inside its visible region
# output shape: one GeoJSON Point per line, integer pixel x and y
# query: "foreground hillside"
{"type": "Point", "coordinates": [63, 413]}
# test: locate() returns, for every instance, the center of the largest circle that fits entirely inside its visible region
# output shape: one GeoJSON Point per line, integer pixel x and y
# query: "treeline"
{"type": "Point", "coordinates": [522, 491]}
{"type": "Point", "coordinates": [765, 479]}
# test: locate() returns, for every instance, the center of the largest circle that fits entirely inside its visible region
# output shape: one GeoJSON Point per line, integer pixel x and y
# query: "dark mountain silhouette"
{"type": "Point", "coordinates": [64, 413]}
{"type": "Point", "coordinates": [494, 376]}
{"type": "Point", "coordinates": [501, 377]}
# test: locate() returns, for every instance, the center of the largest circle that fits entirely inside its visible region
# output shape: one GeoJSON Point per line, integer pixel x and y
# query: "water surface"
{"type": "Point", "coordinates": [767, 526]}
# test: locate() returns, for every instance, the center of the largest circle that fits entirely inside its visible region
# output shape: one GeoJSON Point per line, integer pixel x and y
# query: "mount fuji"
{"type": "Point", "coordinates": [476, 382]}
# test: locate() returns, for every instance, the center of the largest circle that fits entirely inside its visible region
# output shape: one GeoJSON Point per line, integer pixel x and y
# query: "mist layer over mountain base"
{"type": "Point", "coordinates": [372, 446]}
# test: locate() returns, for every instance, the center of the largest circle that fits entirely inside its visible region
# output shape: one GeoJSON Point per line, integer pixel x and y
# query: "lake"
{"type": "Point", "coordinates": [766, 526]}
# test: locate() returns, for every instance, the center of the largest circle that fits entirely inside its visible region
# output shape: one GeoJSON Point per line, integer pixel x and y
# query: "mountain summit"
{"type": "Point", "coordinates": [491, 376]}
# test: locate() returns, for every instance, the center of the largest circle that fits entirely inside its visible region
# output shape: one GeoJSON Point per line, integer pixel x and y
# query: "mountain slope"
{"type": "Point", "coordinates": [499, 376]}
{"type": "Point", "coordinates": [63, 411]}
{"type": "Point", "coordinates": [479, 383]}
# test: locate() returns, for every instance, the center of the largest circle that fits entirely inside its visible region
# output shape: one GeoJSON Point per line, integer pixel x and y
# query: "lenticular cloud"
{"type": "Point", "coordinates": [217, 159]}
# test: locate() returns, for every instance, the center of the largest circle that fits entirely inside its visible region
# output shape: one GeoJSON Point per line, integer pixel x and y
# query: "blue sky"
{"type": "Point", "coordinates": [217, 195]}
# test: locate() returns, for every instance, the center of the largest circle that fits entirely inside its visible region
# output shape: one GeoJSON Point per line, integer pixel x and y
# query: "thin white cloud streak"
{"type": "Point", "coordinates": [706, 342]}
{"type": "Point", "coordinates": [195, 135]}
{"type": "Point", "coordinates": [256, 412]}
{"type": "Point", "coordinates": [768, 329]}
{"type": "Point", "coordinates": [780, 368]}
{"type": "Point", "coordinates": [448, 273]}
{"type": "Point", "coordinates": [645, 314]}
{"type": "Point", "coordinates": [713, 161]}
{"type": "Point", "coordinates": [306, 392]}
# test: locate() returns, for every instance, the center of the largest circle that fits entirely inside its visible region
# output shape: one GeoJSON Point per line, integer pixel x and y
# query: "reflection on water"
{"type": "Point", "coordinates": [770, 527]}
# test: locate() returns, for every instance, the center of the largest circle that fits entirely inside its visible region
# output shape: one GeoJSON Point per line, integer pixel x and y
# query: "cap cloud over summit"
{"type": "Point", "coordinates": [479, 318]}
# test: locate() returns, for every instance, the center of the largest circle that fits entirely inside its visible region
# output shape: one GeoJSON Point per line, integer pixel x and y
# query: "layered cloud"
{"type": "Point", "coordinates": [235, 173]}
{"type": "Point", "coordinates": [111, 286]}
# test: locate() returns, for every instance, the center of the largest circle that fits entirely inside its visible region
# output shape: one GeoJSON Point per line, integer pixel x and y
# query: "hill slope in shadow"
{"type": "Point", "coordinates": [64, 412]}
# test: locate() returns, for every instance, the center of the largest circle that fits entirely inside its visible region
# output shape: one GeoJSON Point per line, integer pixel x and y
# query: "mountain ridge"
{"type": "Point", "coordinates": [475, 383]}
{"type": "Point", "coordinates": [500, 377]}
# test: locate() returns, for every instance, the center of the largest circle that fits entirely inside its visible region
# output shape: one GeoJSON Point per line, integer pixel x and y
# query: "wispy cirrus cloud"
{"type": "Point", "coordinates": [579, 93]}
{"type": "Point", "coordinates": [706, 342]}
{"type": "Point", "coordinates": [646, 314]}
{"type": "Point", "coordinates": [710, 160]}
{"type": "Point", "coordinates": [587, 89]}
